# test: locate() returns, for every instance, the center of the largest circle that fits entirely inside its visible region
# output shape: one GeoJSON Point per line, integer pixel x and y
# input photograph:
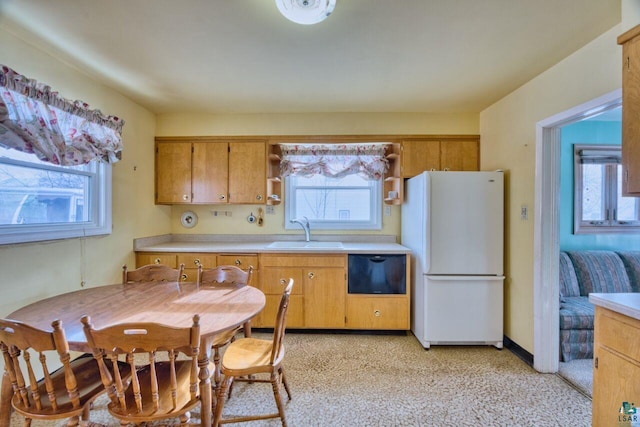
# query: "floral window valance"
{"type": "Point", "coordinates": [35, 119]}
{"type": "Point", "coordinates": [334, 160]}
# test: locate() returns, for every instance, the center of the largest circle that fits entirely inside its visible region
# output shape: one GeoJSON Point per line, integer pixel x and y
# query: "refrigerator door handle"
{"type": "Point", "coordinates": [464, 278]}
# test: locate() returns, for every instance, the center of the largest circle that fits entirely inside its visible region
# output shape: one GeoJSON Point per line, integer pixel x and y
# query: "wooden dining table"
{"type": "Point", "coordinates": [170, 303]}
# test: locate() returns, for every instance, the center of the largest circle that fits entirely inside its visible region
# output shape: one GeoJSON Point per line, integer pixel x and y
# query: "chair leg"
{"type": "Point", "coordinates": [226, 384]}
{"type": "Point", "coordinates": [284, 382]}
{"type": "Point", "coordinates": [185, 418]}
{"type": "Point", "coordinates": [275, 384]}
{"type": "Point", "coordinates": [73, 421]}
{"type": "Point", "coordinates": [217, 376]}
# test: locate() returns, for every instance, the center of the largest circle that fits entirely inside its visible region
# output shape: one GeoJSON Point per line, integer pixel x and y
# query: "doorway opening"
{"type": "Point", "coordinates": [546, 304]}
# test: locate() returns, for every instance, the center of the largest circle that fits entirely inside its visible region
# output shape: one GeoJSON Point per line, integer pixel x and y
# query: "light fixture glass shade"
{"type": "Point", "coordinates": [306, 12]}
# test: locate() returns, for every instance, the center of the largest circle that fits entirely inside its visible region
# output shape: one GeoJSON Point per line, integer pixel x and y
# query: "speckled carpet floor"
{"type": "Point", "coordinates": [390, 380]}
{"type": "Point", "coordinates": [578, 372]}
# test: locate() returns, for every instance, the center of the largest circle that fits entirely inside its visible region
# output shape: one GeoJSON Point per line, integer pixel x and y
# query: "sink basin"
{"type": "Point", "coordinates": [305, 245]}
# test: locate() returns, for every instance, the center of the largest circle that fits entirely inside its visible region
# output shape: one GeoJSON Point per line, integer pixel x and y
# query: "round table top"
{"type": "Point", "coordinates": [170, 303]}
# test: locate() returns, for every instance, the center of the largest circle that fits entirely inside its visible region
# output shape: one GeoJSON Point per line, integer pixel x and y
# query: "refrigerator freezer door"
{"type": "Point", "coordinates": [462, 310]}
{"type": "Point", "coordinates": [465, 223]}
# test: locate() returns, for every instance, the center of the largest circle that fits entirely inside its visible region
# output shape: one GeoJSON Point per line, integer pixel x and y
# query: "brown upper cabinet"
{"type": "Point", "coordinates": [200, 171]}
{"type": "Point", "coordinates": [630, 42]}
{"type": "Point", "coordinates": [455, 154]}
{"type": "Point", "coordinates": [246, 170]}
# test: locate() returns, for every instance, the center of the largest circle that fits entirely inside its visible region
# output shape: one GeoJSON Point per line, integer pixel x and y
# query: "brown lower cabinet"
{"type": "Point", "coordinates": [616, 369]}
{"type": "Point", "coordinates": [319, 299]}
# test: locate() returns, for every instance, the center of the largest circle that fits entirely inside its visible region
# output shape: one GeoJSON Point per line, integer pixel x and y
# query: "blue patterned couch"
{"type": "Point", "coordinates": [583, 272]}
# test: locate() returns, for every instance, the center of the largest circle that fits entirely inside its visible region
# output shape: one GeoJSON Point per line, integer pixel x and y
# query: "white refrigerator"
{"type": "Point", "coordinates": [453, 222]}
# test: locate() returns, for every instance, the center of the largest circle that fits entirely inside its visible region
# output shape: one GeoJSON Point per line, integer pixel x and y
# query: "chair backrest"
{"type": "Point", "coordinates": [281, 321]}
{"type": "Point", "coordinates": [152, 273]}
{"type": "Point", "coordinates": [224, 275]}
{"type": "Point", "coordinates": [156, 390]}
{"type": "Point", "coordinates": [17, 341]}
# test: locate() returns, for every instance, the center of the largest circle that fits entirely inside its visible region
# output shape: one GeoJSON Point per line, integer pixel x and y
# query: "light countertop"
{"type": "Point", "coordinates": [623, 303]}
{"type": "Point", "coordinates": [259, 244]}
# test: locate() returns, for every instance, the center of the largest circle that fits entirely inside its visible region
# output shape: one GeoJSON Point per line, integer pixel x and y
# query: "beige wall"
{"type": "Point", "coordinates": [298, 124]}
{"type": "Point", "coordinates": [37, 270]}
{"type": "Point", "coordinates": [508, 132]}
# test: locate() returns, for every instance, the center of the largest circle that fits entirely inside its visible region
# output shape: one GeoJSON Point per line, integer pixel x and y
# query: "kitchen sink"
{"type": "Point", "coordinates": [305, 245]}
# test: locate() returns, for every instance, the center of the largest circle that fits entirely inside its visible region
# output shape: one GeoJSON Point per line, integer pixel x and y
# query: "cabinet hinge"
{"type": "Point", "coordinates": [626, 175]}
{"type": "Point", "coordinates": [628, 64]}
{"type": "Point", "coordinates": [595, 363]}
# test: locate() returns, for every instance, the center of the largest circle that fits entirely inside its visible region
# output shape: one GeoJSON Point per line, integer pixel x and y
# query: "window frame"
{"type": "Point", "coordinates": [375, 208]}
{"type": "Point", "coordinates": [99, 204]}
{"type": "Point", "coordinates": [610, 182]}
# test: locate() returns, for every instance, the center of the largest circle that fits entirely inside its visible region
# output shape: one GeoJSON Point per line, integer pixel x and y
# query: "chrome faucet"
{"type": "Point", "coordinates": [305, 226]}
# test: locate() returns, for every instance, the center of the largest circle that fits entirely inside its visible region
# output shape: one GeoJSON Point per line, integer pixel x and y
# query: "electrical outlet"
{"type": "Point", "coordinates": [270, 210]}
{"type": "Point", "coordinates": [387, 210]}
{"type": "Point", "coordinates": [524, 212]}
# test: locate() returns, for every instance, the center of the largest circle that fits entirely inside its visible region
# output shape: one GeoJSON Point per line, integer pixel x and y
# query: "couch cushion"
{"type": "Point", "coordinates": [576, 313]}
{"type": "Point", "coordinates": [576, 344]}
{"type": "Point", "coordinates": [599, 271]}
{"type": "Point", "coordinates": [568, 281]}
{"type": "Point", "coordinates": [631, 261]}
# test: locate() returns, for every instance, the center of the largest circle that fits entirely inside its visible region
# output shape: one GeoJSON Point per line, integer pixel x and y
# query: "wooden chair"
{"type": "Point", "coordinates": [225, 275]}
{"type": "Point", "coordinates": [247, 357]}
{"type": "Point", "coordinates": [152, 273]}
{"type": "Point", "coordinates": [66, 392]}
{"type": "Point", "coordinates": [158, 389]}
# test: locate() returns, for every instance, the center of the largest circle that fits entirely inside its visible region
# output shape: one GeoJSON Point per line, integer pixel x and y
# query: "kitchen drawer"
{"type": "Point", "coordinates": [286, 260]}
{"type": "Point", "coordinates": [239, 260]}
{"type": "Point", "coordinates": [192, 260]}
{"type": "Point", "coordinates": [618, 332]}
{"type": "Point", "coordinates": [378, 312]}
{"type": "Point", "coordinates": [274, 280]}
{"type": "Point", "coordinates": [146, 258]}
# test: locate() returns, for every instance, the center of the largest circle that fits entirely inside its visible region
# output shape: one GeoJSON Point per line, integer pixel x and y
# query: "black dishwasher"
{"type": "Point", "coordinates": [377, 274]}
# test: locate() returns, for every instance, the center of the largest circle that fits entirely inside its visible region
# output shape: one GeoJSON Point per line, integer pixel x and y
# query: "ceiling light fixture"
{"type": "Point", "coordinates": [306, 12]}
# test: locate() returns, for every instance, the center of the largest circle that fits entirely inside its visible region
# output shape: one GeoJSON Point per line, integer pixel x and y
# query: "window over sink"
{"type": "Point", "coordinates": [335, 186]}
{"type": "Point", "coordinates": [347, 203]}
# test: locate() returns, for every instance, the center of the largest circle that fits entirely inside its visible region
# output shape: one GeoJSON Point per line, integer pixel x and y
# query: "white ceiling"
{"type": "Point", "coordinates": [242, 56]}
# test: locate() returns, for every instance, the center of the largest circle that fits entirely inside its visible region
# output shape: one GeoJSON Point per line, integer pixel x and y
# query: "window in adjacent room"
{"type": "Point", "coordinates": [599, 206]}
{"type": "Point", "coordinates": [337, 187]}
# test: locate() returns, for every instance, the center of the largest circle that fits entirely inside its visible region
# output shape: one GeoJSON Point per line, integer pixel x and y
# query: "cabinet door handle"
{"type": "Point", "coordinates": [156, 261]}
{"type": "Point", "coordinates": [183, 277]}
{"type": "Point", "coordinates": [185, 197]}
{"type": "Point", "coordinates": [283, 281]}
{"type": "Point", "coordinates": [222, 197]}
{"type": "Point", "coordinates": [377, 313]}
{"type": "Point", "coordinates": [310, 275]}
{"type": "Point", "coordinates": [595, 363]}
{"type": "Point", "coordinates": [259, 197]}
{"type": "Point", "coordinates": [237, 262]}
